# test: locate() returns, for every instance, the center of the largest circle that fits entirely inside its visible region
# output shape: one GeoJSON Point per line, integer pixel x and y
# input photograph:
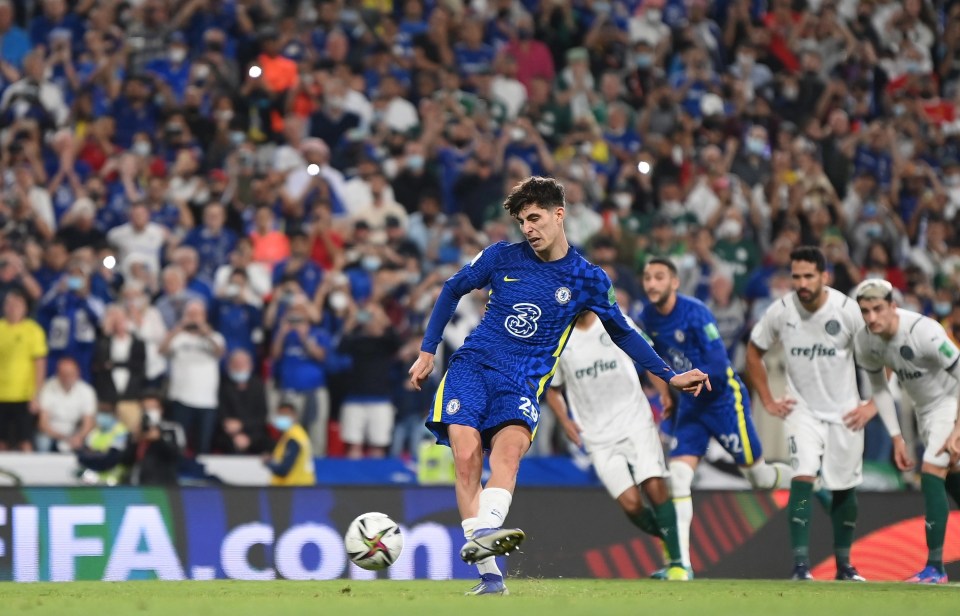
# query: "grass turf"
{"type": "Point", "coordinates": [423, 598]}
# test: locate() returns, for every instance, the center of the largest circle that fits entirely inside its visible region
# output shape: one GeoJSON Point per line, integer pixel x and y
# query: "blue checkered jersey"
{"type": "Point", "coordinates": [688, 338]}
{"type": "Point", "coordinates": [532, 308]}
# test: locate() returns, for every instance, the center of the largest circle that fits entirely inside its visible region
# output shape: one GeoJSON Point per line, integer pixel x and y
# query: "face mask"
{"type": "Point", "coordinates": [643, 60]}
{"type": "Point", "coordinates": [282, 422]}
{"type": "Point", "coordinates": [899, 109]}
{"type": "Point", "coordinates": [136, 302]}
{"type": "Point", "coordinates": [872, 230]}
{"type": "Point", "coordinates": [790, 93]}
{"type": "Point", "coordinates": [240, 376]}
{"type": "Point", "coordinates": [745, 59]}
{"type": "Point", "coordinates": [142, 148]}
{"type": "Point", "coordinates": [586, 148]}
{"type": "Point", "coordinates": [74, 283]}
{"type": "Point", "coordinates": [178, 55]}
{"type": "Point", "coordinates": [224, 115]}
{"type": "Point", "coordinates": [729, 229]}
{"type": "Point", "coordinates": [237, 137]}
{"type": "Point", "coordinates": [672, 209]}
{"type": "Point", "coordinates": [105, 421]}
{"type": "Point", "coordinates": [232, 290]}
{"type": "Point", "coordinates": [415, 162]}
{"type": "Point", "coordinates": [942, 308]}
{"type": "Point", "coordinates": [756, 146]}
{"type": "Point", "coordinates": [339, 300]}
{"type": "Point", "coordinates": [623, 200]}
{"type": "Point", "coordinates": [654, 15]}
{"type": "Point", "coordinates": [371, 263]}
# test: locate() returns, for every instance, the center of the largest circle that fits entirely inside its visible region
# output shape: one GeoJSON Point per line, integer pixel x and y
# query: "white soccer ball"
{"type": "Point", "coordinates": [373, 541]}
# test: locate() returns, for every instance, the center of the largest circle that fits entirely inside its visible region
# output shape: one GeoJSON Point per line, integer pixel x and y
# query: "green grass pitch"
{"type": "Point", "coordinates": [423, 598]}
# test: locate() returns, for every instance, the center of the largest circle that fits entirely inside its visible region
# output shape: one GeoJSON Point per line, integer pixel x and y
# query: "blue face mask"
{"type": "Point", "coordinates": [643, 60]}
{"type": "Point", "coordinates": [74, 283]}
{"type": "Point", "coordinates": [942, 309]}
{"type": "Point", "coordinates": [756, 146]}
{"type": "Point", "coordinates": [105, 421]}
{"type": "Point", "coordinates": [240, 377]}
{"type": "Point", "coordinates": [282, 422]}
{"type": "Point", "coordinates": [415, 162]}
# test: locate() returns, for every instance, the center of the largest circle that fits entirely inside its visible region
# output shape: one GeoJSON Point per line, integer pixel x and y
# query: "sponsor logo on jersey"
{"type": "Point", "coordinates": [832, 327]}
{"type": "Point", "coordinates": [946, 349]}
{"type": "Point", "coordinates": [906, 353]}
{"type": "Point", "coordinates": [453, 406]}
{"type": "Point", "coordinates": [523, 323]}
{"type": "Point", "coordinates": [596, 369]}
{"type": "Point", "coordinates": [679, 360]}
{"type": "Point", "coordinates": [812, 352]}
{"type": "Point", "coordinates": [711, 331]}
{"type": "Point", "coordinates": [563, 295]}
{"type": "Point", "coordinates": [908, 375]}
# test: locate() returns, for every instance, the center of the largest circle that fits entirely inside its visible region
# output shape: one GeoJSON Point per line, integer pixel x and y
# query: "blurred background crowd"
{"type": "Point", "coordinates": [210, 206]}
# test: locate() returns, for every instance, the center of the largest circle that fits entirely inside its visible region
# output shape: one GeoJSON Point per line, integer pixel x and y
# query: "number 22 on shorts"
{"type": "Point", "coordinates": [526, 405]}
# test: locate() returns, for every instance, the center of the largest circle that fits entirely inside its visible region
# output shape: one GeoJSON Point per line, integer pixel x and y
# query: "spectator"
{"type": "Point", "coordinates": [175, 295]}
{"type": "Point", "coordinates": [120, 368]}
{"type": "Point", "coordinates": [70, 316]}
{"type": "Point", "coordinates": [299, 267]}
{"type": "Point", "coordinates": [367, 415]}
{"type": "Point", "coordinates": [140, 236]}
{"type": "Point", "coordinates": [159, 452]}
{"type": "Point", "coordinates": [23, 368]}
{"type": "Point", "coordinates": [68, 407]}
{"type": "Point", "coordinates": [237, 314]}
{"type": "Point", "coordinates": [291, 463]}
{"type": "Point", "coordinates": [212, 241]}
{"type": "Point", "coordinates": [104, 453]}
{"type": "Point", "coordinates": [146, 323]}
{"type": "Point", "coordinates": [15, 277]}
{"type": "Point", "coordinates": [242, 410]}
{"type": "Point", "coordinates": [301, 352]}
{"type": "Point", "coordinates": [15, 42]}
{"type": "Point", "coordinates": [194, 350]}
{"type": "Point", "coordinates": [270, 245]}
{"type": "Point", "coordinates": [189, 261]}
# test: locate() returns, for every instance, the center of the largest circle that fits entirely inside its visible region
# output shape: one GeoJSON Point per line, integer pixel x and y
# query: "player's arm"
{"type": "Point", "coordinates": [475, 275]}
{"type": "Point", "coordinates": [764, 335]}
{"type": "Point", "coordinates": [638, 349]}
{"type": "Point", "coordinates": [883, 400]}
{"type": "Point", "coordinates": [663, 390]}
{"type": "Point", "coordinates": [558, 405]}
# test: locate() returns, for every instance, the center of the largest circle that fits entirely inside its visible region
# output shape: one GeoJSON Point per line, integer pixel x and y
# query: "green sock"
{"type": "Point", "coordinates": [799, 509]}
{"type": "Point", "coordinates": [935, 499]}
{"type": "Point", "coordinates": [666, 515]}
{"type": "Point", "coordinates": [953, 487]}
{"type": "Point", "coordinates": [843, 513]}
{"type": "Point", "coordinates": [646, 521]}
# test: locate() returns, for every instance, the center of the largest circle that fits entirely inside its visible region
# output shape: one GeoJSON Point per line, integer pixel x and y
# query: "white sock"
{"type": "Point", "coordinates": [494, 506]}
{"type": "Point", "coordinates": [767, 476]}
{"type": "Point", "coordinates": [681, 478]}
{"type": "Point", "coordinates": [487, 565]}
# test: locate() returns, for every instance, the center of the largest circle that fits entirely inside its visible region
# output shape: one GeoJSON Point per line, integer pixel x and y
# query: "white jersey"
{"type": "Point", "coordinates": [818, 346]}
{"type": "Point", "coordinates": [603, 388]}
{"type": "Point", "coordinates": [920, 353]}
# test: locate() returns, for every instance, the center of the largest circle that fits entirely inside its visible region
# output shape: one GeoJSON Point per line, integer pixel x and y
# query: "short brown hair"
{"type": "Point", "coordinates": [544, 192]}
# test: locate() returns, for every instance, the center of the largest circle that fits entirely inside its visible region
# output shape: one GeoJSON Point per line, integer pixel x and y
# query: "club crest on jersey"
{"type": "Point", "coordinates": [563, 295]}
{"type": "Point", "coordinates": [679, 336]}
{"type": "Point", "coordinates": [605, 339]}
{"type": "Point", "coordinates": [832, 327]}
{"type": "Point", "coordinates": [906, 353]}
{"type": "Point", "coordinates": [453, 406]}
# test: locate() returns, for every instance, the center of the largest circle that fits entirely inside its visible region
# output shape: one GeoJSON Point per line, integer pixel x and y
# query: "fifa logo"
{"type": "Point", "coordinates": [811, 352]}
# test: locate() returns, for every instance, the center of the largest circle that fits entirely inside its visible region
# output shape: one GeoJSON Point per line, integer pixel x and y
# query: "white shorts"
{"type": "Point", "coordinates": [831, 449]}
{"type": "Point", "coordinates": [369, 423]}
{"type": "Point", "coordinates": [630, 461]}
{"type": "Point", "coordinates": [935, 425]}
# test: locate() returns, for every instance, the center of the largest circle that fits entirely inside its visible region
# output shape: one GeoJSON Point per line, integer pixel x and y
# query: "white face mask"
{"type": "Point", "coordinates": [177, 55]}
{"type": "Point", "coordinates": [654, 16]}
{"type": "Point", "coordinates": [339, 300]}
{"type": "Point", "coordinates": [729, 229]}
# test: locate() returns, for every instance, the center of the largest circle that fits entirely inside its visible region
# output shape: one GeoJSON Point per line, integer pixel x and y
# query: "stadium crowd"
{"type": "Point", "coordinates": [229, 203]}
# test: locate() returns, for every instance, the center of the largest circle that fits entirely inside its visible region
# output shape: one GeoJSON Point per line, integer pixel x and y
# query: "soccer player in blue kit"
{"type": "Point", "coordinates": [684, 331]}
{"type": "Point", "coordinates": [489, 398]}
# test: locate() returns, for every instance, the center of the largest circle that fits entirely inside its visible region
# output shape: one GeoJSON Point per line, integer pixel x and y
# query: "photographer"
{"type": "Point", "coordinates": [160, 448]}
{"type": "Point", "coordinates": [194, 350]}
{"type": "Point", "coordinates": [291, 463]}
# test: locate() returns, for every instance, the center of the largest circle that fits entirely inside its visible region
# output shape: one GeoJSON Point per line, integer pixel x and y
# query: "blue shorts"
{"type": "Point", "coordinates": [478, 396]}
{"type": "Point", "coordinates": [726, 418]}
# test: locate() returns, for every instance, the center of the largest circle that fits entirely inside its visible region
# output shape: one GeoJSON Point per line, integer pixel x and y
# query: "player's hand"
{"type": "Point", "coordinates": [691, 382]}
{"type": "Point", "coordinates": [781, 407]}
{"type": "Point", "coordinates": [858, 418]}
{"type": "Point", "coordinates": [421, 369]}
{"type": "Point", "coordinates": [952, 446]}
{"type": "Point", "coordinates": [900, 455]}
{"type": "Point", "coordinates": [666, 405]}
{"type": "Point", "coordinates": [572, 430]}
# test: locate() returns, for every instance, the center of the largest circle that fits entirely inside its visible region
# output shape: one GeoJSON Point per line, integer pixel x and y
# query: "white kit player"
{"type": "Point", "coordinates": [612, 419]}
{"type": "Point", "coordinates": [925, 361]}
{"type": "Point", "coordinates": [822, 409]}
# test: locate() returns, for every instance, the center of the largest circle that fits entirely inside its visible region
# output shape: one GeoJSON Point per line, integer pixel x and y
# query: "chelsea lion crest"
{"type": "Point", "coordinates": [679, 336]}
{"type": "Point", "coordinates": [563, 295]}
{"type": "Point", "coordinates": [453, 406]}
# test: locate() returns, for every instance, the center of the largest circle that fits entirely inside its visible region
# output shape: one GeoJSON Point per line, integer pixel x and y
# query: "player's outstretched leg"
{"type": "Point", "coordinates": [764, 475]}
{"type": "Point", "coordinates": [801, 492]}
{"type": "Point", "coordinates": [489, 538]}
{"type": "Point", "coordinates": [935, 498]}
{"type": "Point", "coordinates": [843, 515]}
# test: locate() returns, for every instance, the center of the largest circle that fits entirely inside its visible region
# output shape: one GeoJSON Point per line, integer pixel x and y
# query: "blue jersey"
{"type": "Point", "coordinates": [689, 337]}
{"type": "Point", "coordinates": [532, 308]}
